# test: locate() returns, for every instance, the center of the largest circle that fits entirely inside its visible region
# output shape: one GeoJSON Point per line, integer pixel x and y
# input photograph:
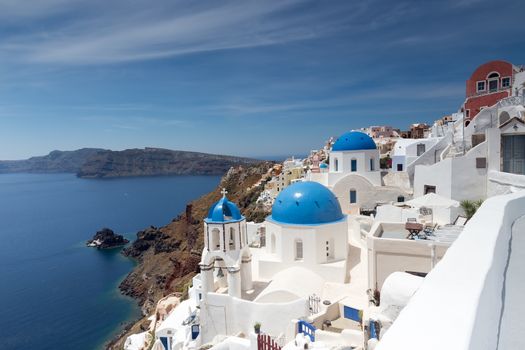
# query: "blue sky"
{"type": "Point", "coordinates": [251, 78]}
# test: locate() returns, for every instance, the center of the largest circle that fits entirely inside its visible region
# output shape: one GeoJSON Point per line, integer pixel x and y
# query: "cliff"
{"type": "Point", "coordinates": [168, 257]}
{"type": "Point", "coordinates": [157, 161]}
{"type": "Point", "coordinates": [100, 163]}
{"type": "Point", "coordinates": [54, 162]}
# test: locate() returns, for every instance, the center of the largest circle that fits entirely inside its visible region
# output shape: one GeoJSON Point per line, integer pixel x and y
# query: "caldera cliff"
{"type": "Point", "coordinates": [168, 256]}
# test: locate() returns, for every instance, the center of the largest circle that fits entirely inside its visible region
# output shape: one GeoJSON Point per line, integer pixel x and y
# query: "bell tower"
{"type": "Point", "coordinates": [226, 258]}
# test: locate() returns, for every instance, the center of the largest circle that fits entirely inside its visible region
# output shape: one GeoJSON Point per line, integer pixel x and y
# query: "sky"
{"type": "Point", "coordinates": [250, 78]}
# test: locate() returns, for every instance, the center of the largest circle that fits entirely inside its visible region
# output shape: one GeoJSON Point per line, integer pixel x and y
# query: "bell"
{"type": "Point", "coordinates": [220, 274]}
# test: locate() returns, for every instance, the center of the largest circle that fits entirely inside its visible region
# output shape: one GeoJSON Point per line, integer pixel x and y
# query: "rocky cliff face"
{"type": "Point", "coordinates": [100, 163]}
{"type": "Point", "coordinates": [54, 162]}
{"type": "Point", "coordinates": [168, 257]}
{"type": "Point", "coordinates": [157, 161]}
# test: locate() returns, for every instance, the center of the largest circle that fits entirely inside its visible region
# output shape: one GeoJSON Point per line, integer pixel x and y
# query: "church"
{"type": "Point", "coordinates": [353, 174]}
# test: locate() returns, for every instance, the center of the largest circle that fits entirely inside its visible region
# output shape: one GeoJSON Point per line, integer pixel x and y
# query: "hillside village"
{"type": "Point", "coordinates": [382, 239]}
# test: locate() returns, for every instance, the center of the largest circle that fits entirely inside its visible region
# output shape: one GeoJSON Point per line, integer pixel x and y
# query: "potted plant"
{"type": "Point", "coordinates": [257, 328]}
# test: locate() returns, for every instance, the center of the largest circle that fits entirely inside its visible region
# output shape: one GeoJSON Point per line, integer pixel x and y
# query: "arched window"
{"type": "Point", "coordinates": [503, 117]}
{"type": "Point", "coordinates": [493, 79]}
{"type": "Point", "coordinates": [231, 239]}
{"type": "Point", "coordinates": [273, 243]}
{"type": "Point", "coordinates": [372, 164]}
{"type": "Point", "coordinates": [215, 241]}
{"type": "Point", "coordinates": [353, 165]}
{"type": "Point", "coordinates": [353, 196]}
{"type": "Point", "coordinates": [298, 249]}
{"type": "Point", "coordinates": [336, 164]}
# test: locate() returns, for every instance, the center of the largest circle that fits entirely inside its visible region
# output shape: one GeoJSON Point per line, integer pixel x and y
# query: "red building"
{"type": "Point", "coordinates": [489, 83]}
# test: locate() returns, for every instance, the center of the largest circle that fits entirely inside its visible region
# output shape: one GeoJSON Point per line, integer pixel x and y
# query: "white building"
{"type": "Point", "coordinates": [406, 151]}
{"type": "Point", "coordinates": [354, 175]}
{"type": "Point", "coordinates": [306, 229]}
{"type": "Point", "coordinates": [225, 250]}
{"type": "Point", "coordinates": [492, 161]}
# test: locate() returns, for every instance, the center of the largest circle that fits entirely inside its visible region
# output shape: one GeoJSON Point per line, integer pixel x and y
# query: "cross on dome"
{"type": "Point", "coordinates": [224, 192]}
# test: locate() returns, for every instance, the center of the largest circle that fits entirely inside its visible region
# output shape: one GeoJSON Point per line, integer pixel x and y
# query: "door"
{"type": "Point", "coordinates": [513, 149]}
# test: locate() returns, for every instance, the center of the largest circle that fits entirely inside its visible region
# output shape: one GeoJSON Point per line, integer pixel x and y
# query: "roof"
{"type": "Point", "coordinates": [513, 119]}
{"type": "Point", "coordinates": [291, 284]}
{"type": "Point", "coordinates": [354, 141]}
{"type": "Point", "coordinates": [306, 203]}
{"type": "Point", "coordinates": [223, 211]}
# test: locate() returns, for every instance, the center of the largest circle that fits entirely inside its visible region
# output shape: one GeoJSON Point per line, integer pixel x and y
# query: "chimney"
{"type": "Point", "coordinates": [189, 208]}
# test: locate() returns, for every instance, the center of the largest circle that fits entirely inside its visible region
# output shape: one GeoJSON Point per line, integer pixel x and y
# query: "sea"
{"type": "Point", "coordinates": [56, 293]}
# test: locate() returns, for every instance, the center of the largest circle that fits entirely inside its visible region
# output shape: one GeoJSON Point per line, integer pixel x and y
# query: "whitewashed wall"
{"type": "Point", "coordinates": [456, 178]}
{"type": "Point", "coordinates": [228, 316]}
{"type": "Point", "coordinates": [459, 302]}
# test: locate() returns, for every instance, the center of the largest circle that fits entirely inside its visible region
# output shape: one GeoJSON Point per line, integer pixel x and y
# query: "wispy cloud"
{"type": "Point", "coordinates": [116, 33]}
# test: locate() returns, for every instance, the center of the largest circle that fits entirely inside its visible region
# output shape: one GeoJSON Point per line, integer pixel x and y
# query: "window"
{"type": "Point", "coordinates": [231, 241]}
{"type": "Point", "coordinates": [353, 196]}
{"type": "Point", "coordinates": [493, 82]}
{"type": "Point", "coordinates": [299, 250]}
{"type": "Point", "coordinates": [467, 113]}
{"type": "Point", "coordinates": [330, 249]}
{"type": "Point", "coordinates": [505, 82]}
{"type": "Point", "coordinates": [400, 167]}
{"type": "Point", "coordinates": [353, 165]}
{"type": "Point", "coordinates": [372, 167]}
{"type": "Point", "coordinates": [504, 117]}
{"type": "Point", "coordinates": [215, 242]}
{"type": "Point", "coordinates": [493, 85]}
{"type": "Point", "coordinates": [273, 243]}
{"type": "Point", "coordinates": [336, 165]}
{"type": "Point", "coordinates": [480, 86]}
{"type": "Point", "coordinates": [429, 189]}
{"type": "Point", "coordinates": [420, 149]}
{"type": "Point", "coordinates": [481, 163]}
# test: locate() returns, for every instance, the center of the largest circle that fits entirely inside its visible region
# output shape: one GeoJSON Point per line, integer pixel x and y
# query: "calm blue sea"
{"type": "Point", "coordinates": [55, 293]}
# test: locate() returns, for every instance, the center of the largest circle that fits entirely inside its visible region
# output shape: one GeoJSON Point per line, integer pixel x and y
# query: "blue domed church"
{"type": "Point", "coordinates": [354, 174]}
{"type": "Point", "coordinates": [308, 229]}
{"type": "Point", "coordinates": [226, 257]}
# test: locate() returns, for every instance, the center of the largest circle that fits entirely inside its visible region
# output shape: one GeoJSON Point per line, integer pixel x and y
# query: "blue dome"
{"type": "Point", "coordinates": [353, 141]}
{"type": "Point", "coordinates": [323, 166]}
{"type": "Point", "coordinates": [223, 211]}
{"type": "Point", "coordinates": [306, 203]}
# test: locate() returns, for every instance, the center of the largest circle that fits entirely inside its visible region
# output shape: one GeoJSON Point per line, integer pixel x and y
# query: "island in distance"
{"type": "Point", "coordinates": [106, 239]}
{"type": "Point", "coordinates": [100, 163]}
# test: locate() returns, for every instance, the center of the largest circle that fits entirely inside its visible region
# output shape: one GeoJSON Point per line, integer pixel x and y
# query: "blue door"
{"type": "Point", "coordinates": [352, 314]}
{"type": "Point", "coordinates": [164, 341]}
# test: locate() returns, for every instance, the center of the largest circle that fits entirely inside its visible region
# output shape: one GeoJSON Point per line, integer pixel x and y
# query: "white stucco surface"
{"type": "Point", "coordinates": [292, 284]}
{"type": "Point", "coordinates": [223, 314]}
{"type": "Point", "coordinates": [512, 318]}
{"type": "Point", "coordinates": [456, 178]}
{"type": "Point", "coordinates": [460, 301]}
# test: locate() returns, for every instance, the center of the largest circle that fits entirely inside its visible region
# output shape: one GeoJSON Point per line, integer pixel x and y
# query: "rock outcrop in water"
{"type": "Point", "coordinates": [106, 239]}
{"type": "Point", "coordinates": [168, 257]}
